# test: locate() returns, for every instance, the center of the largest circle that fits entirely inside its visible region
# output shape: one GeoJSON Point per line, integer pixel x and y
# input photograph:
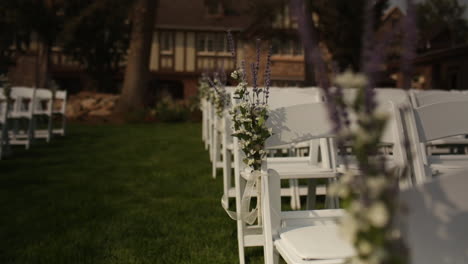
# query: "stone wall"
{"type": "Point", "coordinates": [90, 105]}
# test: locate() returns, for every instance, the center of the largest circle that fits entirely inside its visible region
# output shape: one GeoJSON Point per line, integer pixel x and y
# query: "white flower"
{"type": "Point", "coordinates": [250, 162]}
{"type": "Point", "coordinates": [349, 228]}
{"type": "Point", "coordinates": [349, 79]}
{"type": "Point", "coordinates": [377, 214]}
{"type": "Point", "coordinates": [364, 247]}
{"type": "Point", "coordinates": [376, 185]}
{"type": "Point", "coordinates": [355, 207]}
{"type": "Point", "coordinates": [234, 75]}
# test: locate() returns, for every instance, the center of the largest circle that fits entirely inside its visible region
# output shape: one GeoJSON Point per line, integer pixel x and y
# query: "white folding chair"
{"type": "Point", "coordinates": [22, 110]}
{"type": "Point", "coordinates": [300, 236]}
{"type": "Point", "coordinates": [249, 236]}
{"type": "Point", "coordinates": [42, 109]}
{"type": "Point", "coordinates": [59, 108]}
{"type": "Point", "coordinates": [446, 145]}
{"type": "Point", "coordinates": [436, 230]}
{"type": "Point", "coordinates": [4, 141]}
{"type": "Point", "coordinates": [390, 103]}
{"type": "Point", "coordinates": [433, 122]}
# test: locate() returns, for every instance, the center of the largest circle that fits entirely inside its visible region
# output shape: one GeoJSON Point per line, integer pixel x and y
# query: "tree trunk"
{"type": "Point", "coordinates": [42, 65]}
{"type": "Point", "coordinates": [137, 70]}
{"type": "Point", "coordinates": [309, 71]}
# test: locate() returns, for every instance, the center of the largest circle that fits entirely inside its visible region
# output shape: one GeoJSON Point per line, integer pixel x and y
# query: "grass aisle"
{"type": "Point", "coordinates": [115, 194]}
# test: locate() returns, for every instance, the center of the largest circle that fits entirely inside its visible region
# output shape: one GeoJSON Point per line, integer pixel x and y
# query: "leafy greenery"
{"type": "Point", "coordinates": [116, 194]}
{"type": "Point", "coordinates": [96, 34]}
{"type": "Point", "coordinates": [341, 27]}
{"type": "Point", "coordinates": [167, 110]}
{"type": "Point", "coordinates": [436, 15]}
{"type": "Point", "coordinates": [249, 120]}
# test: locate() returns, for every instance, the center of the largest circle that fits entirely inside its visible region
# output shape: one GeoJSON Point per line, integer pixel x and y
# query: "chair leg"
{"type": "Point", "coordinates": [227, 160]}
{"type": "Point", "coordinates": [293, 194]}
{"type": "Point", "coordinates": [311, 194]}
{"type": "Point", "coordinates": [215, 158]}
{"type": "Point", "coordinates": [49, 129]}
{"type": "Point", "coordinates": [240, 224]}
{"type": "Point", "coordinates": [31, 129]}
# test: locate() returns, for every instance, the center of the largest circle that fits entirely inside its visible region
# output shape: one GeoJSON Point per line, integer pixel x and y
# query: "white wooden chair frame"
{"type": "Point", "coordinates": [43, 102]}
{"type": "Point", "coordinates": [22, 108]}
{"type": "Point", "coordinates": [60, 96]}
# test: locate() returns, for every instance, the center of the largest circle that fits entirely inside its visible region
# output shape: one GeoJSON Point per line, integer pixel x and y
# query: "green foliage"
{"type": "Point", "coordinates": [341, 27]}
{"type": "Point", "coordinates": [96, 33]}
{"type": "Point", "coordinates": [249, 120]}
{"type": "Point", "coordinates": [433, 15]}
{"type": "Point", "coordinates": [167, 110]}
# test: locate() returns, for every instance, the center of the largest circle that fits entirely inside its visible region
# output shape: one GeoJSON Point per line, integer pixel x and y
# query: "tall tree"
{"type": "Point", "coordinates": [137, 70]}
{"type": "Point", "coordinates": [443, 14]}
{"type": "Point", "coordinates": [23, 18]}
{"type": "Point", "coordinates": [341, 26]}
{"type": "Point", "coordinates": [96, 34]}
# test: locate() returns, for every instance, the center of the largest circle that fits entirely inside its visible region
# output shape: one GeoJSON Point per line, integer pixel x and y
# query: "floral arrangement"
{"type": "Point", "coordinates": [204, 88]}
{"type": "Point", "coordinates": [219, 98]}
{"type": "Point", "coordinates": [370, 196]}
{"type": "Point", "coordinates": [250, 114]}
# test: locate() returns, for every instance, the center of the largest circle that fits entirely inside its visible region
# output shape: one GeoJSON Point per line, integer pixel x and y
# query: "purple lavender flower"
{"type": "Point", "coordinates": [232, 46]}
{"type": "Point", "coordinates": [268, 75]}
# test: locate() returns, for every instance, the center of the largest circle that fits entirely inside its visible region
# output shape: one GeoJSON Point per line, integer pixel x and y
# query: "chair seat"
{"type": "Point", "coordinates": [299, 167]}
{"type": "Point", "coordinates": [449, 161]}
{"type": "Point", "coordinates": [313, 244]}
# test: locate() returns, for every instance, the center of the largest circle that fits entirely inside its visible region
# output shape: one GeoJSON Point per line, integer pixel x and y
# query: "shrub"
{"type": "Point", "coordinates": [167, 110]}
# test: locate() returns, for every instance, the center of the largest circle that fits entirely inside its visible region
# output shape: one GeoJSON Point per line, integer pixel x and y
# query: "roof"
{"type": "Point", "coordinates": [192, 14]}
{"type": "Point", "coordinates": [388, 14]}
{"type": "Point", "coordinates": [442, 54]}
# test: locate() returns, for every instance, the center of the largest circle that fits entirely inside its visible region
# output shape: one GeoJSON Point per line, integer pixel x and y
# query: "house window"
{"type": "Point", "coordinates": [287, 47]}
{"type": "Point", "coordinates": [212, 42]}
{"type": "Point", "coordinates": [167, 44]}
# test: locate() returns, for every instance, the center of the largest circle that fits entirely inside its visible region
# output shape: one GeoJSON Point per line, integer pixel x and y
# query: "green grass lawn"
{"type": "Point", "coordinates": [115, 194]}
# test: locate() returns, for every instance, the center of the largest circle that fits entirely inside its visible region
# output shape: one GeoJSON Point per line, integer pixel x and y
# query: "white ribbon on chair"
{"type": "Point", "coordinates": [253, 178]}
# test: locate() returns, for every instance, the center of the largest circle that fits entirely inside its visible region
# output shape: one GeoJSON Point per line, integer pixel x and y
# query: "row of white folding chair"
{"type": "Point", "coordinates": [29, 104]}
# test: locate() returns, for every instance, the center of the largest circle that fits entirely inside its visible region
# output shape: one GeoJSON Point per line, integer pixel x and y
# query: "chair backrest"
{"type": "Point", "coordinates": [298, 123]}
{"type": "Point", "coordinates": [419, 99]}
{"type": "Point", "coordinates": [389, 101]}
{"type": "Point", "coordinates": [23, 100]}
{"type": "Point", "coordinates": [441, 120]}
{"type": "Point", "coordinates": [283, 97]}
{"type": "Point", "coordinates": [61, 96]}
{"type": "Point", "coordinates": [43, 100]}
{"type": "Point", "coordinates": [436, 229]}
{"type": "Point", "coordinates": [3, 107]}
